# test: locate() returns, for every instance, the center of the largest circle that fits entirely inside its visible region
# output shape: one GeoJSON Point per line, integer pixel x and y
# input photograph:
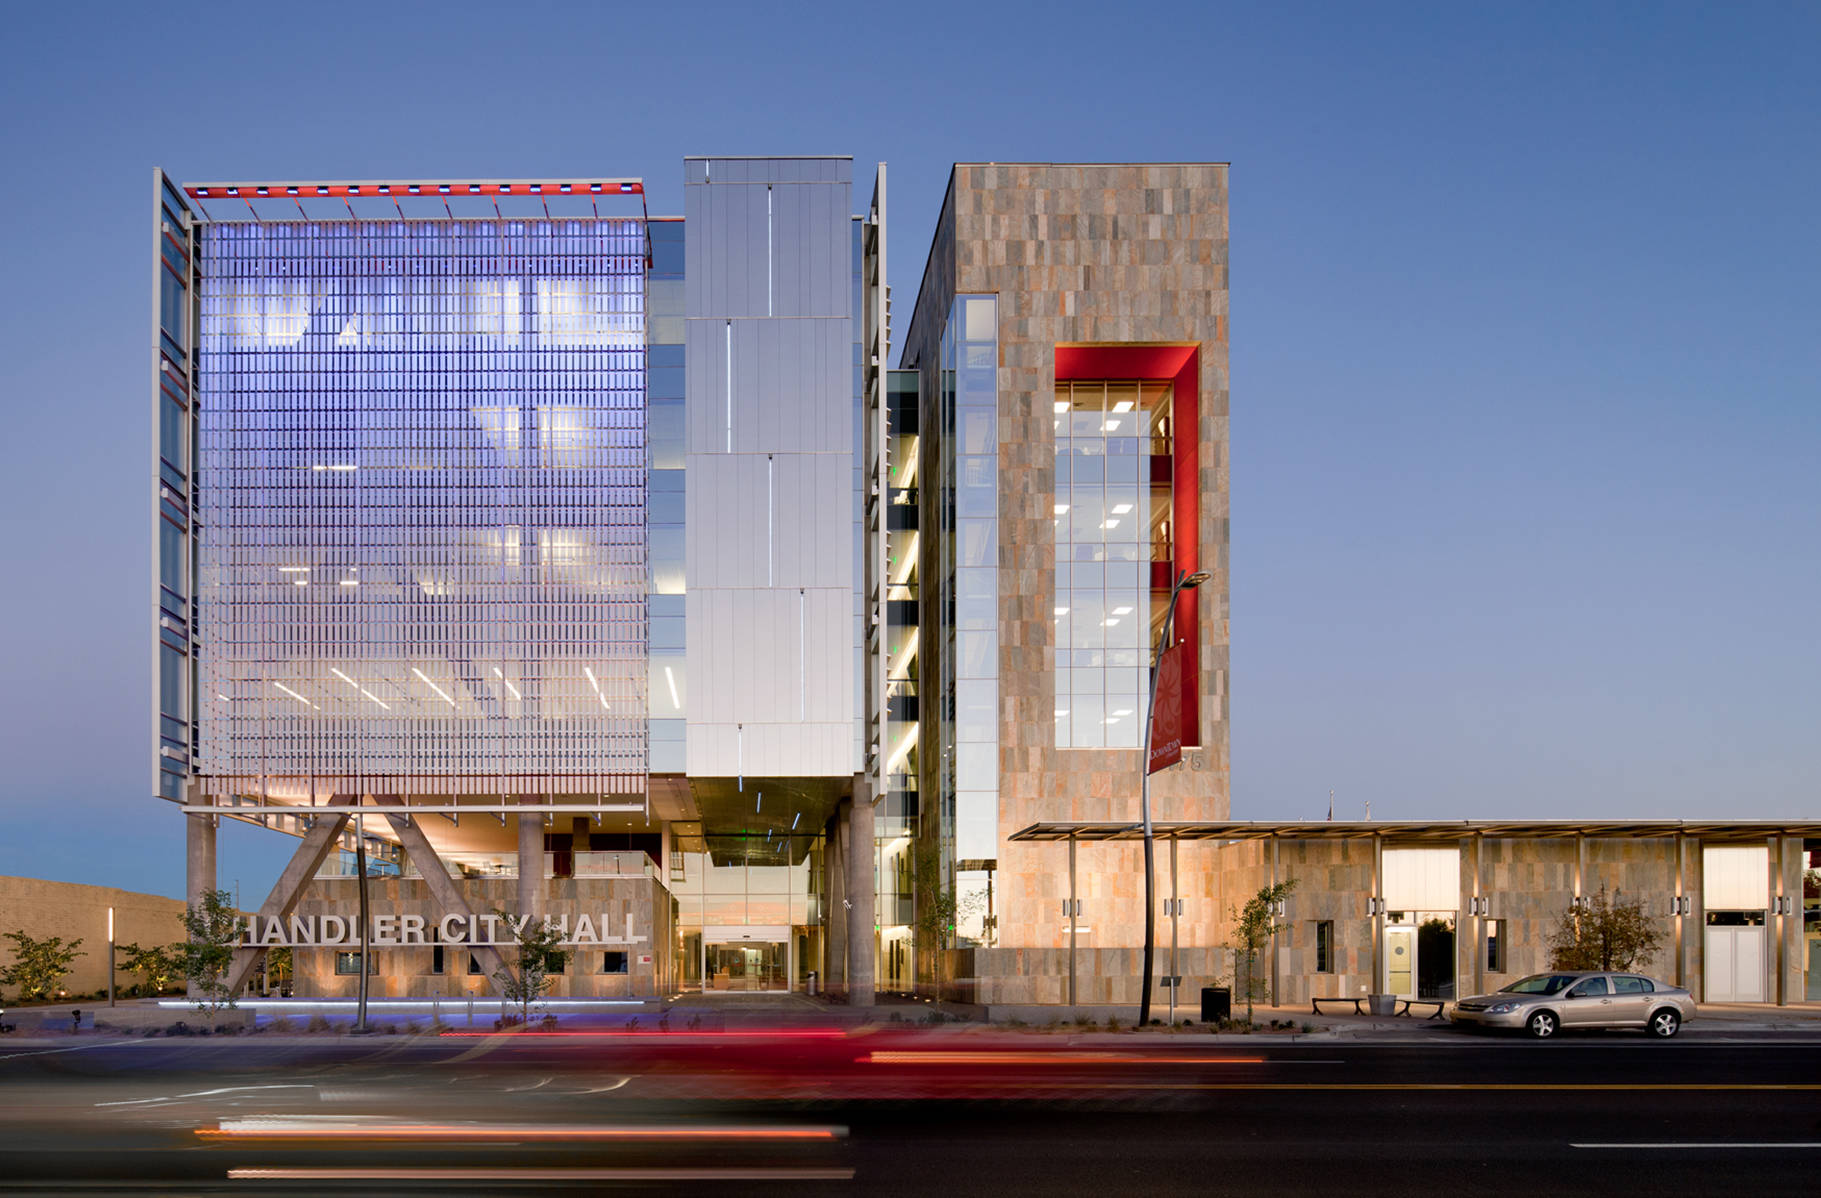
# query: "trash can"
{"type": "Point", "coordinates": [1216, 1004]}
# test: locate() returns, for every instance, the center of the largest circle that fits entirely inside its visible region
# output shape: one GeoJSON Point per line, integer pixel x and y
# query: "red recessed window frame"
{"type": "Point", "coordinates": [1180, 366]}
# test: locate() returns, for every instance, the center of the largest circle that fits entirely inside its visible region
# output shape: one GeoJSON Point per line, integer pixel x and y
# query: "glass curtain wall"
{"type": "Point", "coordinates": [1112, 519]}
{"type": "Point", "coordinates": [969, 603]}
{"type": "Point", "coordinates": [668, 684]}
{"type": "Point", "coordinates": [423, 540]}
{"type": "Point", "coordinates": [748, 882]}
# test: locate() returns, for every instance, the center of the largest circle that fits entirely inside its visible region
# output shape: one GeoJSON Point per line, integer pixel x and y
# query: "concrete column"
{"type": "Point", "coordinates": [860, 893]}
{"type": "Point", "coordinates": [530, 861]}
{"type": "Point", "coordinates": [834, 873]}
{"type": "Point", "coordinates": [199, 873]}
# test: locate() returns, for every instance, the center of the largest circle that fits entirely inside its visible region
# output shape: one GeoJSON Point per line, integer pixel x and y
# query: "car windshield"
{"type": "Point", "coordinates": [1540, 983]}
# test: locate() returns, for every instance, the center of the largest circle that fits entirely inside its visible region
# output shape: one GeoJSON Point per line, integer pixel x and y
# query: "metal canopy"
{"type": "Point", "coordinates": [1522, 829]}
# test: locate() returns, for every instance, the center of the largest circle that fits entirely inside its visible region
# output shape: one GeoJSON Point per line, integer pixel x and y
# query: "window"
{"type": "Point", "coordinates": [613, 962]}
{"type": "Point", "coordinates": [1591, 988]}
{"type": "Point", "coordinates": [1495, 946]}
{"type": "Point", "coordinates": [348, 964]}
{"type": "Point", "coordinates": [1324, 946]}
{"type": "Point", "coordinates": [436, 959]}
{"type": "Point", "coordinates": [474, 966]}
{"type": "Point", "coordinates": [1632, 986]}
{"type": "Point", "coordinates": [1112, 522]}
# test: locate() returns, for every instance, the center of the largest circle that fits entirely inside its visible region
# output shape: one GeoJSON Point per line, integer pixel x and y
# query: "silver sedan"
{"type": "Point", "coordinates": [1546, 1003]}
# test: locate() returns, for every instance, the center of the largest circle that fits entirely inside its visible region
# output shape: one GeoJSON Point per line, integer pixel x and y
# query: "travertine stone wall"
{"type": "Point", "coordinates": [75, 911]}
{"type": "Point", "coordinates": [404, 972]}
{"type": "Point", "coordinates": [1103, 254]}
{"type": "Point", "coordinates": [1529, 884]}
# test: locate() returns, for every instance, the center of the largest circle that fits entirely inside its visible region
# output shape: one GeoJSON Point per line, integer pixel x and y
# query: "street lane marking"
{"type": "Point", "coordinates": [331, 1129]}
{"type": "Point", "coordinates": [1716, 1144]}
{"type": "Point", "coordinates": [535, 1174]}
{"type": "Point", "coordinates": [209, 1093]}
{"type": "Point", "coordinates": [1512, 1086]}
{"type": "Point", "coordinates": [45, 1052]}
{"type": "Point", "coordinates": [1046, 1058]}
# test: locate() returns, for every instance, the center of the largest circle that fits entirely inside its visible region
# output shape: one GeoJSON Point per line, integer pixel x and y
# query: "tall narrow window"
{"type": "Point", "coordinates": [1495, 946]}
{"type": "Point", "coordinates": [1324, 946]}
{"type": "Point", "coordinates": [1112, 522]}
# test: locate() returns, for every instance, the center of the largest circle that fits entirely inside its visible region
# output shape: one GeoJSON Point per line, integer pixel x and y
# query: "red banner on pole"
{"type": "Point", "coordinates": [1166, 712]}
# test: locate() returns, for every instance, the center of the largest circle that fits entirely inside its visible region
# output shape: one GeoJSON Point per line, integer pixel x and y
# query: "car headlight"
{"type": "Point", "coordinates": [1501, 1008]}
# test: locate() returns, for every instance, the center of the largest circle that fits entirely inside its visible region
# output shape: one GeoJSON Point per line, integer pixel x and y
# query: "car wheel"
{"type": "Point", "coordinates": [1542, 1025]}
{"type": "Point", "coordinates": [1665, 1023]}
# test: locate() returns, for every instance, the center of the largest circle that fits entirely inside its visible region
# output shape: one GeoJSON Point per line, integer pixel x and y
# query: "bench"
{"type": "Point", "coordinates": [1403, 1007]}
{"type": "Point", "coordinates": [1315, 1004]}
{"type": "Point", "coordinates": [1437, 1003]}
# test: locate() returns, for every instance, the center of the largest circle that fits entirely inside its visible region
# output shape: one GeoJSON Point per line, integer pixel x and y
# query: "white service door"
{"type": "Point", "coordinates": [1733, 965]}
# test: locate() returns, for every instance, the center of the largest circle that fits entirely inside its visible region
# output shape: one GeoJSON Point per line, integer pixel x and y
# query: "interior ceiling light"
{"type": "Point", "coordinates": [1110, 524]}
{"type": "Point", "coordinates": [1062, 611]}
{"type": "Point", "coordinates": [1061, 508]}
{"type": "Point", "coordinates": [1062, 405]}
{"type": "Point", "coordinates": [441, 693]}
{"type": "Point", "coordinates": [1124, 405]}
{"type": "Point", "coordinates": [1120, 509]}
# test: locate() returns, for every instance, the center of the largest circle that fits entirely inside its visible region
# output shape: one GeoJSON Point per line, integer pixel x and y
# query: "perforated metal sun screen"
{"type": "Point", "coordinates": [422, 506]}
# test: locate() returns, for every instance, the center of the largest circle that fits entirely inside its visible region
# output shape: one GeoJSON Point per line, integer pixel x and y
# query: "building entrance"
{"type": "Point", "coordinates": [748, 966]}
{"type": "Point", "coordinates": [1419, 955]}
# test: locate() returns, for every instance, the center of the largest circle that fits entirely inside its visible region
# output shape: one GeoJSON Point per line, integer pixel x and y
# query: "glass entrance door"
{"type": "Point", "coordinates": [748, 966]}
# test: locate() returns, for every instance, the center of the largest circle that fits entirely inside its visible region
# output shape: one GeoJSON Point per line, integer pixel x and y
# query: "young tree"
{"type": "Point", "coordinates": [1605, 933]}
{"type": "Point", "coordinates": [279, 967]}
{"type": "Point", "coordinates": [933, 918]}
{"type": "Point", "coordinates": [1254, 925]}
{"type": "Point", "coordinates": [39, 966]}
{"type": "Point", "coordinates": [215, 931]}
{"type": "Point", "coordinates": [157, 966]}
{"type": "Point", "coordinates": [540, 952]}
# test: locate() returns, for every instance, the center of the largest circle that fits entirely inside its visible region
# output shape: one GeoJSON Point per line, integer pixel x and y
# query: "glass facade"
{"type": "Point", "coordinates": [174, 668]}
{"type": "Point", "coordinates": [968, 599]}
{"type": "Point", "coordinates": [1112, 519]}
{"type": "Point", "coordinates": [668, 684]}
{"type": "Point", "coordinates": [748, 891]}
{"type": "Point", "coordinates": [423, 562]}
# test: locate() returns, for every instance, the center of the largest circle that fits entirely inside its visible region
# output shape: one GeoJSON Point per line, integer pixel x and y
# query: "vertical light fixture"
{"type": "Point", "coordinates": [110, 956]}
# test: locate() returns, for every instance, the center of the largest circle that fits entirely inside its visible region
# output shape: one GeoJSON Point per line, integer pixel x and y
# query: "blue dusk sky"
{"type": "Point", "coordinates": [1526, 372]}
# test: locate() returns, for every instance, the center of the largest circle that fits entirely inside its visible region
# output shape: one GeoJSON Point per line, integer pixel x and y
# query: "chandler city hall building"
{"type": "Point", "coordinates": [589, 565]}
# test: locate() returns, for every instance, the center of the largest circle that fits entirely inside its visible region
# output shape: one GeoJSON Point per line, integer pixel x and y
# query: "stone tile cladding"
{"type": "Point", "coordinates": [404, 972]}
{"type": "Point", "coordinates": [1102, 254]}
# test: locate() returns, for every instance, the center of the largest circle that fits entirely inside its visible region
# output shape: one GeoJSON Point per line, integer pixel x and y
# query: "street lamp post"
{"type": "Point", "coordinates": [360, 859]}
{"type": "Point", "coordinates": [1184, 582]}
{"type": "Point", "coordinates": [110, 956]}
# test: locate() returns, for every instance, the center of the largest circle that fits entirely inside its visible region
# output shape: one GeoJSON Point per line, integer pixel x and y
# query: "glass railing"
{"type": "Point", "coordinates": [618, 863]}
{"type": "Point", "coordinates": [490, 865]}
{"type": "Point", "coordinates": [624, 863]}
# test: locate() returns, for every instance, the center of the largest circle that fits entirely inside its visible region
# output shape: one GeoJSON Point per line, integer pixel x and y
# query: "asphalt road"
{"type": "Point", "coordinates": [915, 1113]}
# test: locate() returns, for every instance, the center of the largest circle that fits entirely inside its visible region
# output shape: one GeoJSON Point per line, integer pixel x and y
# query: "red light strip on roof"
{"type": "Point", "coordinates": [250, 191]}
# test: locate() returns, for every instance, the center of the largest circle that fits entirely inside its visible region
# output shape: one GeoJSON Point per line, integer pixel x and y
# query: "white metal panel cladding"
{"type": "Point", "coordinates": [1735, 877]}
{"type": "Point", "coordinates": [1422, 879]}
{"type": "Point", "coordinates": [770, 436]}
{"type": "Point", "coordinates": [424, 546]}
